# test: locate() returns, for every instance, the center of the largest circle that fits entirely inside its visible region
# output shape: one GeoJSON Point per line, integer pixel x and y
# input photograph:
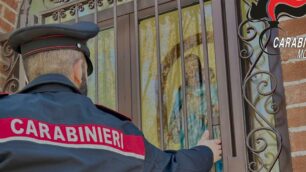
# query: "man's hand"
{"type": "Point", "coordinates": [214, 145]}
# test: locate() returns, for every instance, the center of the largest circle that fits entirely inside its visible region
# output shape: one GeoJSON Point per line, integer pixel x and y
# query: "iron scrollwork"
{"type": "Point", "coordinates": [78, 7]}
{"type": "Point", "coordinates": [74, 8]}
{"type": "Point", "coordinates": [11, 60]}
{"type": "Point", "coordinates": [59, 1]}
{"type": "Point", "coordinates": [255, 35]}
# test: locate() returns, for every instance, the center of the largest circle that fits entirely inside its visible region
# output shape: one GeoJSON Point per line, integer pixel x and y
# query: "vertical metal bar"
{"type": "Point", "coordinates": [76, 13]}
{"type": "Point", "coordinates": [237, 137]}
{"type": "Point", "coordinates": [206, 79]}
{"type": "Point", "coordinates": [116, 49]}
{"type": "Point", "coordinates": [160, 98]}
{"type": "Point", "coordinates": [223, 90]}
{"type": "Point", "coordinates": [42, 19]}
{"type": "Point", "coordinates": [96, 55]}
{"type": "Point", "coordinates": [137, 59]}
{"type": "Point", "coordinates": [184, 104]}
{"type": "Point", "coordinates": [59, 16]}
{"type": "Point", "coordinates": [24, 14]}
{"type": "Point", "coordinates": [23, 77]}
{"type": "Point", "coordinates": [23, 80]}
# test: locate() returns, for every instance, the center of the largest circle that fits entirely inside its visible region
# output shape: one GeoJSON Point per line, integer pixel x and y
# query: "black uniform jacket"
{"type": "Point", "coordinates": [50, 127]}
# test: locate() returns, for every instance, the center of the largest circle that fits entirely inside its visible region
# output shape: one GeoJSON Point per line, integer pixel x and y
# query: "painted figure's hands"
{"type": "Point", "coordinates": [214, 145]}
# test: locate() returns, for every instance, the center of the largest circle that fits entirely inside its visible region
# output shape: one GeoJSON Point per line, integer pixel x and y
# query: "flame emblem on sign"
{"type": "Point", "coordinates": [273, 10]}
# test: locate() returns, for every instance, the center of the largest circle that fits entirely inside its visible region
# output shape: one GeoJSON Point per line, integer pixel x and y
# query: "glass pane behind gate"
{"type": "Point", "coordinates": [106, 94]}
{"type": "Point", "coordinates": [172, 77]}
{"type": "Point", "coordinates": [107, 69]}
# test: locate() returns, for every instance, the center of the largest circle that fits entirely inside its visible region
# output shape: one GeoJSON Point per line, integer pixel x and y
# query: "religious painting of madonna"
{"type": "Point", "coordinates": [171, 79]}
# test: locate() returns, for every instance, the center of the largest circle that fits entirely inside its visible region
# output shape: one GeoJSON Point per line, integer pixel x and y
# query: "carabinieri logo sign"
{"type": "Point", "coordinates": [272, 11]}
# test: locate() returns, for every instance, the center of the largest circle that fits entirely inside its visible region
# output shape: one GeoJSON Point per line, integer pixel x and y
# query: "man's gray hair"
{"type": "Point", "coordinates": [55, 61]}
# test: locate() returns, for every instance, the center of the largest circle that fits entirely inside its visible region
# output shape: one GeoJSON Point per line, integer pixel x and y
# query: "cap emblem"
{"type": "Point", "coordinates": [79, 45]}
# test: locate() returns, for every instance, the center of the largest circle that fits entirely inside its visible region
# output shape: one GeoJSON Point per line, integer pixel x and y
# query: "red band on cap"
{"type": "Point", "coordinates": [49, 48]}
{"type": "Point", "coordinates": [50, 36]}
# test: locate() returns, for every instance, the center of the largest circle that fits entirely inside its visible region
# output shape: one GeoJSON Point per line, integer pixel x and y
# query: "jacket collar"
{"type": "Point", "coordinates": [57, 82]}
{"type": "Point", "coordinates": [50, 82]}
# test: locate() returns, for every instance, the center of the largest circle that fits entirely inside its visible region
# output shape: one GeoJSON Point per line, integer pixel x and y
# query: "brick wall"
{"type": "Point", "coordinates": [8, 13]}
{"type": "Point", "coordinates": [8, 21]}
{"type": "Point", "coordinates": [294, 75]}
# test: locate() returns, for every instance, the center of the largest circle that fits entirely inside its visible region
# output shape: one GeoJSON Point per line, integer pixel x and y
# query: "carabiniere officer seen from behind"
{"type": "Point", "coordinates": [52, 126]}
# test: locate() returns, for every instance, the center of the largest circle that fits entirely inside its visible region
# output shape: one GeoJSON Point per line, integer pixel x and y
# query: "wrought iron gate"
{"type": "Point", "coordinates": [240, 75]}
{"type": "Point", "coordinates": [263, 93]}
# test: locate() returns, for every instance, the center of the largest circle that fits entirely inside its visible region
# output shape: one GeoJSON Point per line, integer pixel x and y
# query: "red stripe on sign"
{"type": "Point", "coordinates": [72, 136]}
{"type": "Point", "coordinates": [272, 4]}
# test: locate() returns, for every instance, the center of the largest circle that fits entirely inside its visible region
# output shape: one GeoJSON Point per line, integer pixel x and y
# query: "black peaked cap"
{"type": "Point", "coordinates": [39, 38]}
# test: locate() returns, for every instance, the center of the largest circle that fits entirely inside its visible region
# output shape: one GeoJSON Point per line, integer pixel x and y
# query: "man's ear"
{"type": "Point", "coordinates": [77, 71]}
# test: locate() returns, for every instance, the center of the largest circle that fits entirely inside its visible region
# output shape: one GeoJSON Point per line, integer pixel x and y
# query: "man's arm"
{"type": "Point", "coordinates": [197, 159]}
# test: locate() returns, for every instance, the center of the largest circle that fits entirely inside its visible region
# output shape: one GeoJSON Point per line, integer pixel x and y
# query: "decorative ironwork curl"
{"type": "Point", "coordinates": [260, 146]}
{"type": "Point", "coordinates": [81, 7]}
{"type": "Point", "coordinates": [256, 166]}
{"type": "Point", "coordinates": [55, 16]}
{"type": "Point", "coordinates": [272, 25]}
{"type": "Point", "coordinates": [261, 88]}
{"type": "Point", "coordinates": [110, 2]}
{"type": "Point", "coordinates": [59, 14]}
{"type": "Point", "coordinates": [274, 106]}
{"type": "Point", "coordinates": [100, 3]}
{"type": "Point", "coordinates": [8, 53]}
{"type": "Point", "coordinates": [265, 86]}
{"type": "Point", "coordinates": [59, 1]}
{"type": "Point", "coordinates": [250, 30]}
{"type": "Point", "coordinates": [72, 10]}
{"type": "Point", "coordinates": [247, 52]}
{"type": "Point", "coordinates": [7, 50]}
{"type": "Point", "coordinates": [62, 13]}
{"type": "Point", "coordinates": [91, 4]}
{"type": "Point", "coordinates": [78, 7]}
{"type": "Point", "coordinates": [254, 61]}
{"type": "Point", "coordinates": [251, 33]}
{"type": "Point", "coordinates": [11, 85]}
